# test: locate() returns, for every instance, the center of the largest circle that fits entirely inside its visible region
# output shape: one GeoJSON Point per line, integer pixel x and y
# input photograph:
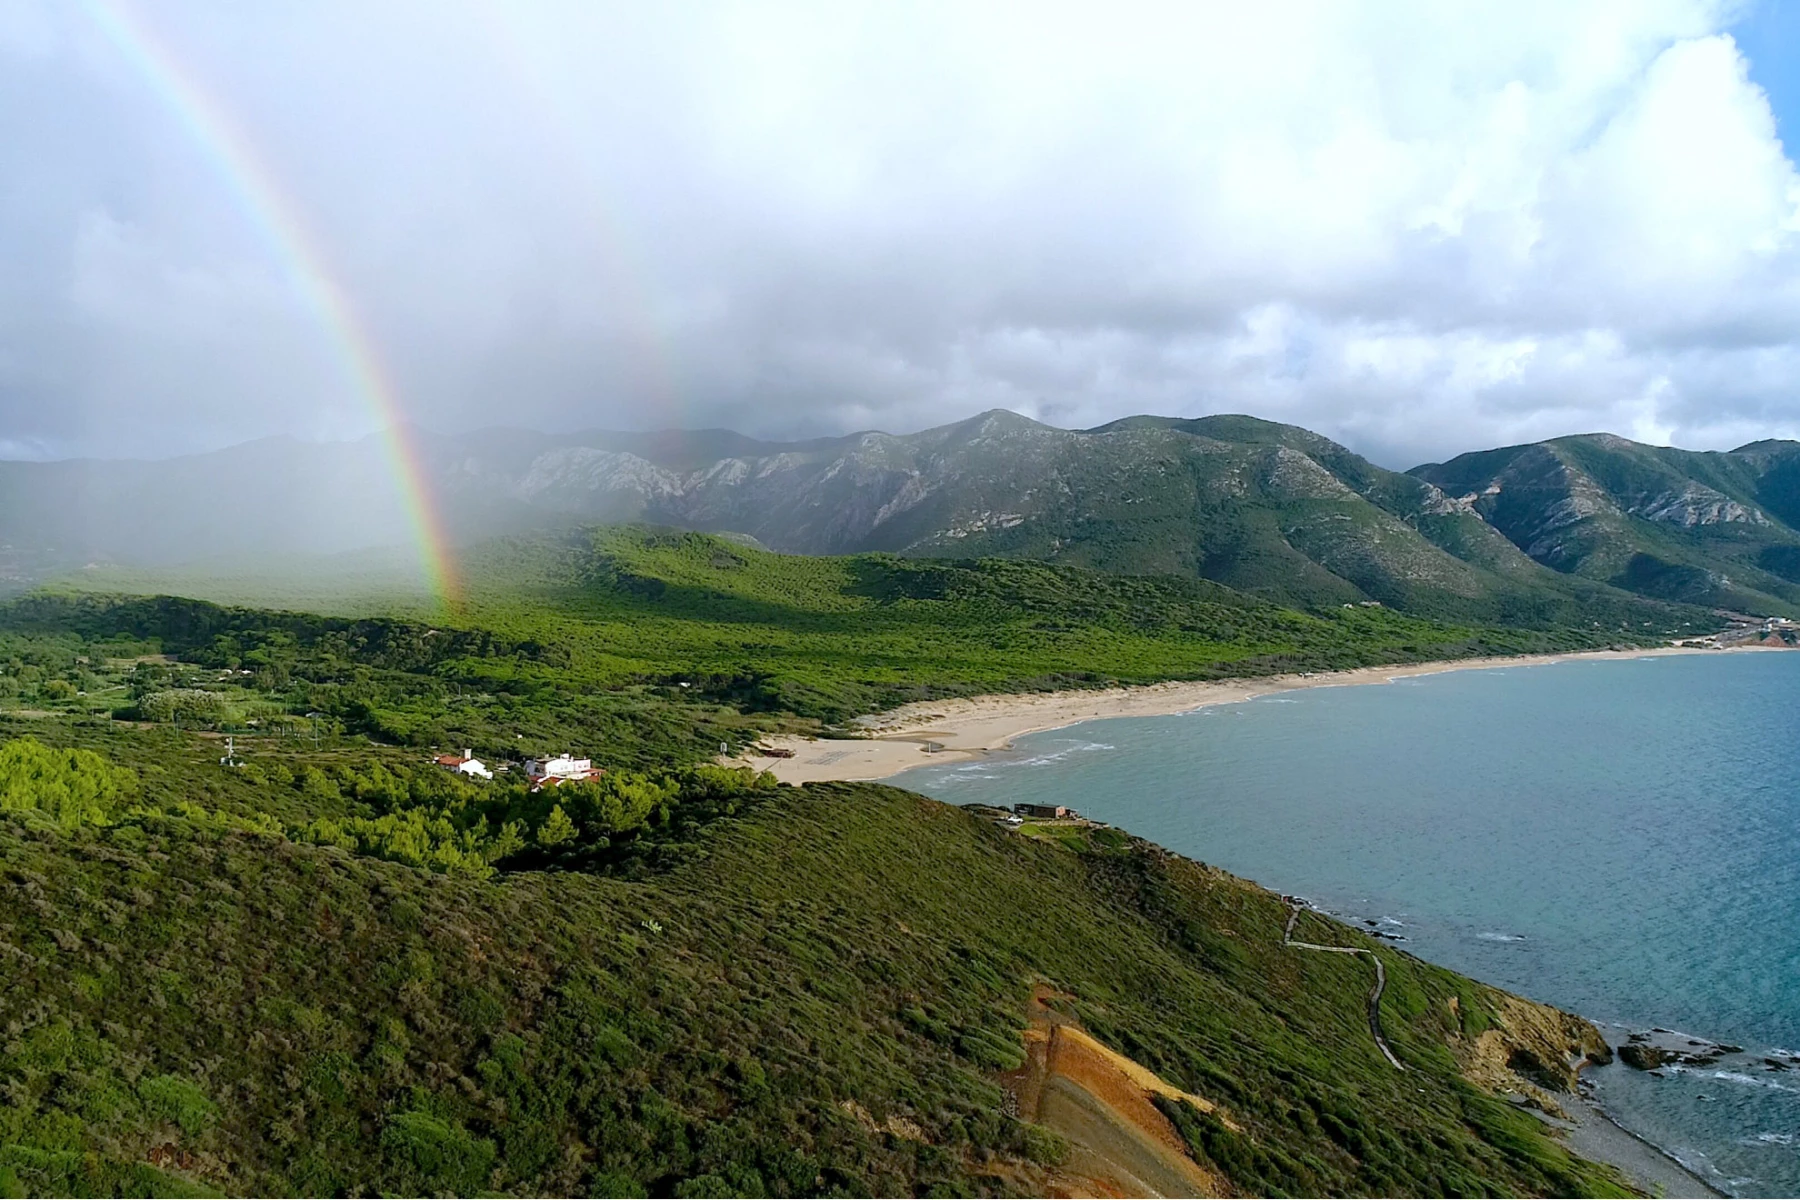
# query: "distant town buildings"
{"type": "Point", "coordinates": [1774, 632]}
{"type": "Point", "coordinates": [541, 772]}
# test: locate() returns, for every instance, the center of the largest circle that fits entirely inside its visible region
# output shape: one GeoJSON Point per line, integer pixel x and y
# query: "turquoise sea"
{"type": "Point", "coordinates": [1619, 838]}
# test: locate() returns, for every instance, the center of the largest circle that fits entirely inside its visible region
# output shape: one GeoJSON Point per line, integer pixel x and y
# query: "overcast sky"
{"type": "Point", "coordinates": [1419, 229]}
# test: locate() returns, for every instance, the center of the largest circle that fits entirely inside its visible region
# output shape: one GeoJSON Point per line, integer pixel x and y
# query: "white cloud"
{"type": "Point", "coordinates": [1421, 228]}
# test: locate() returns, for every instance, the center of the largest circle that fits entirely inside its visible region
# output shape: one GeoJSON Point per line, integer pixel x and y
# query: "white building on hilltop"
{"type": "Point", "coordinates": [548, 772]}
{"type": "Point", "coordinates": [465, 764]}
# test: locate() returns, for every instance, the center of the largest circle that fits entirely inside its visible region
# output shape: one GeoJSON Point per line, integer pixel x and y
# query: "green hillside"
{"type": "Point", "coordinates": [796, 991]}
{"type": "Point", "coordinates": [1267, 509]}
{"type": "Point", "coordinates": [308, 960]}
{"type": "Point", "coordinates": [653, 647]}
{"type": "Point", "coordinates": [1699, 528]}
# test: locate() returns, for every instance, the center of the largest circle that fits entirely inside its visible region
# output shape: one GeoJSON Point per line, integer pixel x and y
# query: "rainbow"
{"type": "Point", "coordinates": [300, 256]}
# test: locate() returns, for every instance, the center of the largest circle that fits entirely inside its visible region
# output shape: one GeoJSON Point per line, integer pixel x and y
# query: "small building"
{"type": "Point", "coordinates": [1048, 812]}
{"type": "Point", "coordinates": [551, 772]}
{"type": "Point", "coordinates": [465, 764]}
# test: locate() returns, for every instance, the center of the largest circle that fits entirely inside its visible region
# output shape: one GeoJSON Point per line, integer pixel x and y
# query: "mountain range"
{"type": "Point", "coordinates": [1585, 527]}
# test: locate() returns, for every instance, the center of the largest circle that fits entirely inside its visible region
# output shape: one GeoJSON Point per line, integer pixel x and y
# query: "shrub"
{"type": "Point", "coordinates": [180, 1102]}
{"type": "Point", "coordinates": [431, 1154]}
{"type": "Point", "coordinates": [182, 704]}
{"type": "Point", "coordinates": [73, 787]}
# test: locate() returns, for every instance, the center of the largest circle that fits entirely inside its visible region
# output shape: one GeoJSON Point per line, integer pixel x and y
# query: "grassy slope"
{"type": "Point", "coordinates": [262, 1016]}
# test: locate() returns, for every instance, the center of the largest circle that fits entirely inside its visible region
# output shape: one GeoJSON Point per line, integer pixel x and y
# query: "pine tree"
{"type": "Point", "coordinates": [556, 829]}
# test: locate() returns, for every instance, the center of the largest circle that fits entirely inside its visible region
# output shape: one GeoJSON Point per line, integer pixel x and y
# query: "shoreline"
{"type": "Point", "coordinates": [972, 728]}
{"type": "Point", "coordinates": [1594, 1134]}
{"type": "Point", "coordinates": [965, 729]}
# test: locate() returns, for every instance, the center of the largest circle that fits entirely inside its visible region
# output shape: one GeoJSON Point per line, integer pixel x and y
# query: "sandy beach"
{"type": "Point", "coordinates": [958, 730]}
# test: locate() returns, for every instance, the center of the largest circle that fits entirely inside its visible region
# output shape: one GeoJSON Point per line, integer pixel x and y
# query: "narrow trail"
{"type": "Point", "coordinates": [1287, 939]}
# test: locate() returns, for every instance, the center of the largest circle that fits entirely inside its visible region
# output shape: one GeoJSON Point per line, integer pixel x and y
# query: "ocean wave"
{"type": "Point", "coordinates": [1039, 760]}
{"type": "Point", "coordinates": [1500, 937]}
{"type": "Point", "coordinates": [1753, 1081]}
{"type": "Point", "coordinates": [1737, 1077]}
{"type": "Point", "coordinates": [1775, 1139]}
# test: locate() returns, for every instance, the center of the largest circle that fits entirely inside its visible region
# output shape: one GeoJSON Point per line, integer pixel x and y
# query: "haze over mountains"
{"type": "Point", "coordinates": [1522, 534]}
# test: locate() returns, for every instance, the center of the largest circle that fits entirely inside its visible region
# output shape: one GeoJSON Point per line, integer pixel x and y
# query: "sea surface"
{"type": "Point", "coordinates": [1618, 838]}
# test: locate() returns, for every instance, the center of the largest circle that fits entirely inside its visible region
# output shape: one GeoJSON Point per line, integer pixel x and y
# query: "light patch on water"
{"type": "Point", "coordinates": [1500, 937]}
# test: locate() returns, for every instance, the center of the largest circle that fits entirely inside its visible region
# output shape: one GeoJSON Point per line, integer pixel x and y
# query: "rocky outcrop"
{"type": "Point", "coordinates": [1534, 1050]}
{"type": "Point", "coordinates": [1653, 1049]}
{"type": "Point", "coordinates": [1694, 505]}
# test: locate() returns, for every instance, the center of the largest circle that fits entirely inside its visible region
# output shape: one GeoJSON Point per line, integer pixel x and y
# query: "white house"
{"type": "Point", "coordinates": [552, 771]}
{"type": "Point", "coordinates": [465, 764]}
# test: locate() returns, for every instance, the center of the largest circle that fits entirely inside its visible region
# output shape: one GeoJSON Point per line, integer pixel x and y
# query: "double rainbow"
{"type": "Point", "coordinates": [301, 257]}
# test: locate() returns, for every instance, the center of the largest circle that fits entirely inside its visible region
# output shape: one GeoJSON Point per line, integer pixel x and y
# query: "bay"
{"type": "Point", "coordinates": [1621, 839]}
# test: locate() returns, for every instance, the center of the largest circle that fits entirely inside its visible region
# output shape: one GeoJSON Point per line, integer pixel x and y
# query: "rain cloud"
{"type": "Point", "coordinates": [1417, 228]}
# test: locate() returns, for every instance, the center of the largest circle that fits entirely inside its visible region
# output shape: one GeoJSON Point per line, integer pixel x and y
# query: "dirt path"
{"type": "Point", "coordinates": [1287, 939]}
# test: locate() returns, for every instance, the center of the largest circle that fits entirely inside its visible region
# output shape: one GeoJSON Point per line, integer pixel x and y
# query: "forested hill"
{"type": "Point", "coordinates": [259, 941]}
{"type": "Point", "coordinates": [1265, 508]}
{"type": "Point", "coordinates": [238, 981]}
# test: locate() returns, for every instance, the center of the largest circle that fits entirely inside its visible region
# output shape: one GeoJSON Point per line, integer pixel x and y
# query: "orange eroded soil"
{"type": "Point", "coordinates": [1121, 1144]}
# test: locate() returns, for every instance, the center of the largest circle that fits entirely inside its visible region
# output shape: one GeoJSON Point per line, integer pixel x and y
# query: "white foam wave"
{"type": "Point", "coordinates": [1737, 1077]}
{"type": "Point", "coordinates": [1776, 1139]}
{"type": "Point", "coordinates": [1753, 1081]}
{"type": "Point", "coordinates": [1039, 760]}
{"type": "Point", "coordinates": [1500, 937]}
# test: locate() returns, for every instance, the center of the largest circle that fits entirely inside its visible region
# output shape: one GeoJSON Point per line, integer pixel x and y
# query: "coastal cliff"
{"type": "Point", "coordinates": [1533, 1049]}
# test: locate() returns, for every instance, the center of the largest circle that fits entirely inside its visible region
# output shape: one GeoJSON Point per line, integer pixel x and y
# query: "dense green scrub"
{"type": "Point", "coordinates": [328, 966]}
{"type": "Point", "coordinates": [384, 804]}
{"type": "Point", "coordinates": [642, 648]}
{"type": "Point", "coordinates": [188, 1007]}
